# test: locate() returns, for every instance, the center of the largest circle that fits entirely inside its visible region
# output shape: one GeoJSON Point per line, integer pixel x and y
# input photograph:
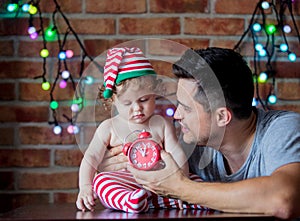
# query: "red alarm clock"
{"type": "Point", "coordinates": [143, 153]}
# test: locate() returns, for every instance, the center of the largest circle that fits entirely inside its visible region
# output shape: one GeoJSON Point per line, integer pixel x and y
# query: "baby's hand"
{"type": "Point", "coordinates": [86, 198]}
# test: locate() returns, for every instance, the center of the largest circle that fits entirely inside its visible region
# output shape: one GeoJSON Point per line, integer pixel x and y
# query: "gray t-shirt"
{"type": "Point", "coordinates": [276, 143]}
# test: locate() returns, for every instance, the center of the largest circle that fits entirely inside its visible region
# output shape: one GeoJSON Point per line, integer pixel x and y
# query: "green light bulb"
{"type": "Point", "coordinates": [53, 105]}
{"type": "Point", "coordinates": [270, 29]}
{"type": "Point", "coordinates": [45, 86]}
{"type": "Point", "coordinates": [50, 34]}
{"type": "Point", "coordinates": [44, 53]}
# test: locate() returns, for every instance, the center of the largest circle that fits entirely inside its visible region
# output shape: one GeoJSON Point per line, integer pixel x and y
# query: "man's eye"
{"type": "Point", "coordinates": [144, 99]}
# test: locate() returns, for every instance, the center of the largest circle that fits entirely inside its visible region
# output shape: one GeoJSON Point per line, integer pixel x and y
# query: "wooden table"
{"type": "Point", "coordinates": [68, 211]}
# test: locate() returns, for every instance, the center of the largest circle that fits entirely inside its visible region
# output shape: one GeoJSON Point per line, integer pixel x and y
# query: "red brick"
{"type": "Point", "coordinates": [43, 135]}
{"type": "Point", "coordinates": [97, 47]}
{"type": "Point", "coordinates": [19, 26]}
{"type": "Point", "coordinates": [68, 157]}
{"type": "Point", "coordinates": [20, 69]}
{"type": "Point", "coordinates": [23, 114]}
{"type": "Point", "coordinates": [102, 26]}
{"type": "Point", "coordinates": [178, 6]}
{"type": "Point", "coordinates": [175, 47]}
{"type": "Point", "coordinates": [7, 91]}
{"type": "Point", "coordinates": [9, 201]}
{"type": "Point", "coordinates": [116, 6]}
{"type": "Point", "coordinates": [163, 68]}
{"type": "Point", "coordinates": [7, 180]}
{"type": "Point", "coordinates": [288, 90]}
{"type": "Point", "coordinates": [6, 136]}
{"type": "Point", "coordinates": [28, 92]}
{"type": "Point", "coordinates": [24, 157]}
{"type": "Point", "coordinates": [149, 26]}
{"type": "Point", "coordinates": [287, 69]}
{"type": "Point", "coordinates": [65, 197]}
{"type": "Point", "coordinates": [217, 26]}
{"type": "Point", "coordinates": [66, 6]}
{"type": "Point", "coordinates": [47, 180]}
{"type": "Point", "coordinates": [235, 6]}
{"type": "Point", "coordinates": [6, 48]}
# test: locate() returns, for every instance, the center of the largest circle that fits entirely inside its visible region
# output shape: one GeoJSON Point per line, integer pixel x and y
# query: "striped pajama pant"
{"type": "Point", "coordinates": [119, 191]}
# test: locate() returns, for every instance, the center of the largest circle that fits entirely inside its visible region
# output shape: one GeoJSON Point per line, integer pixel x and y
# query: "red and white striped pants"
{"type": "Point", "coordinates": [119, 191]}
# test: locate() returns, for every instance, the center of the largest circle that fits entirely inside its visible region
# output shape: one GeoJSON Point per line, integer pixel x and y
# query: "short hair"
{"type": "Point", "coordinates": [230, 69]}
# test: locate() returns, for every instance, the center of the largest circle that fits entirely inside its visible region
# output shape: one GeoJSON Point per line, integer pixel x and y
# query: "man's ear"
{"type": "Point", "coordinates": [223, 116]}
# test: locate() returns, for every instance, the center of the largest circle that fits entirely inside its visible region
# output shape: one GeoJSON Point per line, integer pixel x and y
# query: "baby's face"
{"type": "Point", "coordinates": [136, 104]}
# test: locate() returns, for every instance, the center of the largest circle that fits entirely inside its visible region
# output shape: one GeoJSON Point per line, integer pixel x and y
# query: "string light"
{"type": "Point", "coordinates": [49, 34]}
{"type": "Point", "coordinates": [263, 35]}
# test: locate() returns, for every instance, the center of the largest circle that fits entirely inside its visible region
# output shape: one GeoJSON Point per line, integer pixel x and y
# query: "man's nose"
{"type": "Point", "coordinates": [177, 115]}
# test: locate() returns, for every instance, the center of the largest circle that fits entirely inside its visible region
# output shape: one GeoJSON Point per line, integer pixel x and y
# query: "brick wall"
{"type": "Point", "coordinates": [37, 166]}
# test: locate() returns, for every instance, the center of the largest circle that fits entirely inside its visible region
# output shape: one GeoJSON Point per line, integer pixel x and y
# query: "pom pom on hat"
{"type": "Point", "coordinates": [124, 63]}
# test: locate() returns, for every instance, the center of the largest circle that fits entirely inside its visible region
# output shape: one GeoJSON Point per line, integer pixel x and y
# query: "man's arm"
{"type": "Point", "coordinates": [277, 195]}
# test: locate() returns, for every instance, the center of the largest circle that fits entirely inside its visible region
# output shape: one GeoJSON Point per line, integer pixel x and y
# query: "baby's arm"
{"type": "Point", "coordinates": [92, 157]}
{"type": "Point", "coordinates": [173, 146]}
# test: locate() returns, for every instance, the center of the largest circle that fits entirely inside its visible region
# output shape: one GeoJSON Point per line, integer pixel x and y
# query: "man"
{"type": "Point", "coordinates": [250, 157]}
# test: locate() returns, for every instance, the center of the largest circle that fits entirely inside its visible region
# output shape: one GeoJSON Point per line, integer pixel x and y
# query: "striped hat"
{"type": "Point", "coordinates": [122, 64]}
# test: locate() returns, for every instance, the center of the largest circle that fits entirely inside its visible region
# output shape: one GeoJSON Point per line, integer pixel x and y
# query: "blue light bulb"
{"type": "Point", "coordinates": [256, 27]}
{"type": "Point", "coordinates": [272, 99]}
{"type": "Point", "coordinates": [283, 47]}
{"type": "Point", "coordinates": [292, 57]}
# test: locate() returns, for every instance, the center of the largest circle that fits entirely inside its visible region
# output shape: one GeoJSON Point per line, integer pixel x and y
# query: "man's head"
{"type": "Point", "coordinates": [232, 73]}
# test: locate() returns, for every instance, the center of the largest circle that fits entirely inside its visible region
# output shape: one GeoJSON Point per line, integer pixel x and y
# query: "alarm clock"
{"type": "Point", "coordinates": [143, 153]}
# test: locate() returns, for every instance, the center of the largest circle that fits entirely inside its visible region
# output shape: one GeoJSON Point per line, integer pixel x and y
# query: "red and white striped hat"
{"type": "Point", "coordinates": [122, 64]}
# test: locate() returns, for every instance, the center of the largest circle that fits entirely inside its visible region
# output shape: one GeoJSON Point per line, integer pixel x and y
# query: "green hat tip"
{"type": "Point", "coordinates": [107, 93]}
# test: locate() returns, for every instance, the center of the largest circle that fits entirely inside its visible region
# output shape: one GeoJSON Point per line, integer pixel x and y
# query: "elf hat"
{"type": "Point", "coordinates": [124, 63]}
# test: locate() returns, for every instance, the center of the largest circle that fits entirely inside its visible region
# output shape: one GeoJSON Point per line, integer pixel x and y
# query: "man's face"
{"type": "Point", "coordinates": [195, 122]}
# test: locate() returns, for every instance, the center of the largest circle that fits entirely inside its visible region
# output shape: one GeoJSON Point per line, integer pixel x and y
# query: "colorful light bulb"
{"type": "Point", "coordinates": [63, 84]}
{"type": "Point", "coordinates": [75, 107]}
{"type": "Point", "coordinates": [65, 74]}
{"type": "Point", "coordinates": [259, 47]}
{"type": "Point", "coordinates": [287, 29]}
{"type": "Point", "coordinates": [292, 57]}
{"type": "Point", "coordinates": [31, 30]}
{"type": "Point", "coordinates": [265, 5]}
{"type": "Point", "coordinates": [170, 112]}
{"type": "Point", "coordinates": [12, 7]}
{"type": "Point", "coordinates": [50, 34]}
{"type": "Point", "coordinates": [89, 80]}
{"type": "Point", "coordinates": [53, 105]}
{"type": "Point", "coordinates": [69, 53]}
{"type": "Point", "coordinates": [46, 86]}
{"type": "Point", "coordinates": [272, 99]}
{"type": "Point", "coordinates": [270, 29]}
{"type": "Point", "coordinates": [62, 55]}
{"type": "Point", "coordinates": [44, 53]}
{"type": "Point", "coordinates": [73, 129]}
{"type": "Point", "coordinates": [262, 53]}
{"type": "Point", "coordinates": [254, 102]}
{"type": "Point", "coordinates": [57, 130]}
{"type": "Point", "coordinates": [25, 7]}
{"type": "Point", "coordinates": [256, 27]}
{"type": "Point", "coordinates": [34, 35]}
{"type": "Point", "coordinates": [262, 78]}
{"type": "Point", "coordinates": [32, 9]}
{"type": "Point", "coordinates": [283, 47]}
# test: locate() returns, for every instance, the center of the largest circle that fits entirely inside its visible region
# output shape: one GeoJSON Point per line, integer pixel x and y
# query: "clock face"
{"type": "Point", "coordinates": [144, 154]}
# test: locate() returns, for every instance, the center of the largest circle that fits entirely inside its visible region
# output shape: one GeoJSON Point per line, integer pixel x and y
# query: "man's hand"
{"type": "Point", "coordinates": [113, 160]}
{"type": "Point", "coordinates": [161, 182]}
